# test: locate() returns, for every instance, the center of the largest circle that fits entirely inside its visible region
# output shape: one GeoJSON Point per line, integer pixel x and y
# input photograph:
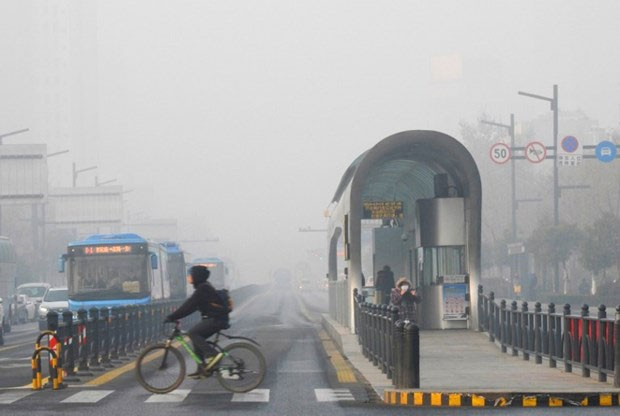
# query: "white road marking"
{"type": "Point", "coordinates": [256, 396]}
{"type": "Point", "coordinates": [174, 396]}
{"type": "Point", "coordinates": [13, 396]}
{"type": "Point", "coordinates": [92, 396]}
{"type": "Point", "coordinates": [333, 395]}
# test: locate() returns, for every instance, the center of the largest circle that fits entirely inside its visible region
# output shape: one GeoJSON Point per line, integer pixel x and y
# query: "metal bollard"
{"type": "Point", "coordinates": [122, 332]}
{"type": "Point", "coordinates": [600, 358]}
{"type": "Point", "coordinates": [490, 318]}
{"type": "Point", "coordinates": [411, 357]}
{"type": "Point", "coordinates": [83, 342]}
{"type": "Point", "coordinates": [584, 353]}
{"type": "Point", "coordinates": [514, 341]}
{"type": "Point", "coordinates": [617, 348]}
{"type": "Point", "coordinates": [392, 318]}
{"type": "Point", "coordinates": [525, 336]}
{"type": "Point", "coordinates": [52, 321]}
{"type": "Point", "coordinates": [67, 318]}
{"type": "Point", "coordinates": [130, 327]}
{"type": "Point", "coordinates": [538, 332]}
{"type": "Point", "coordinates": [107, 337]}
{"type": "Point", "coordinates": [93, 333]}
{"type": "Point", "coordinates": [115, 330]}
{"type": "Point", "coordinates": [553, 353]}
{"type": "Point", "coordinates": [568, 367]}
{"type": "Point", "coordinates": [384, 339]}
{"type": "Point", "coordinates": [503, 338]}
{"type": "Point", "coordinates": [397, 343]}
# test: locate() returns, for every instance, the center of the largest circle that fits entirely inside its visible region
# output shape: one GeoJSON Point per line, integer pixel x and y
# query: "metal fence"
{"type": "Point", "coordinates": [390, 344]}
{"type": "Point", "coordinates": [588, 341]}
{"type": "Point", "coordinates": [100, 338]}
{"type": "Point", "coordinates": [97, 339]}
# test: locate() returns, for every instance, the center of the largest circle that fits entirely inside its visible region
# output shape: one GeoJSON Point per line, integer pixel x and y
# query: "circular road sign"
{"type": "Point", "coordinates": [535, 152]}
{"type": "Point", "coordinates": [606, 151]}
{"type": "Point", "coordinates": [500, 153]}
{"type": "Point", "coordinates": [570, 144]}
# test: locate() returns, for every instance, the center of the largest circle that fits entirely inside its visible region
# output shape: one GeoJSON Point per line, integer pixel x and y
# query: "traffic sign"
{"type": "Point", "coordinates": [570, 152]}
{"type": "Point", "coordinates": [500, 153]}
{"type": "Point", "coordinates": [606, 151]}
{"type": "Point", "coordinates": [535, 152]}
{"type": "Point", "coordinates": [570, 144]}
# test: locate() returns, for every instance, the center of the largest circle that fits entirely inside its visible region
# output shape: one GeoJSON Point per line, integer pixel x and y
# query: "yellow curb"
{"type": "Point", "coordinates": [344, 371]}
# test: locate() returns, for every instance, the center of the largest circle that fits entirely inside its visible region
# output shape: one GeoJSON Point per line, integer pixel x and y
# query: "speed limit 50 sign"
{"type": "Point", "coordinates": [500, 153]}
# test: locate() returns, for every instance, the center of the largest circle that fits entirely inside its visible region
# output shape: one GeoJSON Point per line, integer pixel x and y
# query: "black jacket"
{"type": "Point", "coordinates": [205, 300]}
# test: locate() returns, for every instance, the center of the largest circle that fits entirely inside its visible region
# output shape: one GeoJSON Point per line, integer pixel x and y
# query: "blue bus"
{"type": "Point", "coordinates": [106, 270]}
{"type": "Point", "coordinates": [177, 273]}
{"type": "Point", "coordinates": [219, 272]}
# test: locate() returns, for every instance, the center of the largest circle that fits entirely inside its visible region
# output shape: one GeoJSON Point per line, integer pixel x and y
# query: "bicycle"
{"type": "Point", "coordinates": [239, 367]}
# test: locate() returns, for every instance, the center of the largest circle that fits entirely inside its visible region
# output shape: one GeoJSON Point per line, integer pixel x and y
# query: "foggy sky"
{"type": "Point", "coordinates": [239, 118]}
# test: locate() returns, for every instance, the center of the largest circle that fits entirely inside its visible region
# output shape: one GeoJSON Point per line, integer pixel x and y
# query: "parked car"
{"type": "Point", "coordinates": [24, 309]}
{"type": "Point", "coordinates": [56, 299]}
{"type": "Point", "coordinates": [34, 293]}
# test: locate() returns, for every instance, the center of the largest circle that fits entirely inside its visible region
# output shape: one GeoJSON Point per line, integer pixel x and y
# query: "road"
{"type": "Point", "coordinates": [301, 378]}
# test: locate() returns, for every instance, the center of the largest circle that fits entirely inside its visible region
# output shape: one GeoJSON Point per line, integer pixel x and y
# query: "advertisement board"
{"type": "Point", "coordinates": [95, 206]}
{"type": "Point", "coordinates": [23, 173]}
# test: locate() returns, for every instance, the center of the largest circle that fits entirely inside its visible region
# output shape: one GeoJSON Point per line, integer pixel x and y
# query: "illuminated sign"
{"type": "Point", "coordinates": [116, 249]}
{"type": "Point", "coordinates": [383, 209]}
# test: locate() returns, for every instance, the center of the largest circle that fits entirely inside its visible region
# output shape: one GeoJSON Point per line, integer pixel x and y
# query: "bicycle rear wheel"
{"type": "Point", "coordinates": [242, 368]}
{"type": "Point", "coordinates": [160, 369]}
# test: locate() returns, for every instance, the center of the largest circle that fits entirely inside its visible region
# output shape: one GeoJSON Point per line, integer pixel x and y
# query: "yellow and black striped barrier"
{"type": "Point", "coordinates": [54, 350]}
{"type": "Point", "coordinates": [430, 399]}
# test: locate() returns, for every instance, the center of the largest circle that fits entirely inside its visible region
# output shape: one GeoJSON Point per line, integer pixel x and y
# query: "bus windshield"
{"type": "Point", "coordinates": [108, 277]}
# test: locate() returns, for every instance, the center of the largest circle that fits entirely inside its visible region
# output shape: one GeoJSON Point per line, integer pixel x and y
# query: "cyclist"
{"type": "Point", "coordinates": [214, 315]}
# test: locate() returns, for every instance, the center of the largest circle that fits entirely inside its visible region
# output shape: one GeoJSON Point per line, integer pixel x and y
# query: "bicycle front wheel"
{"type": "Point", "coordinates": [160, 369]}
{"type": "Point", "coordinates": [242, 368]}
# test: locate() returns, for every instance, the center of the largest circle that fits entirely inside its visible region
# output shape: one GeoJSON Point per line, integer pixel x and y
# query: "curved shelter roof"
{"type": "Point", "coordinates": [402, 167]}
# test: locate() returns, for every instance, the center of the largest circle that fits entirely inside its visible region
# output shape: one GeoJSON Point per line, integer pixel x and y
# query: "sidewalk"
{"type": "Point", "coordinates": [462, 366]}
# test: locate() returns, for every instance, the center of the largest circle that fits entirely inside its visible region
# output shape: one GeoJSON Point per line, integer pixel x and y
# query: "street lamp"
{"type": "Point", "coordinates": [57, 153]}
{"type": "Point", "coordinates": [2, 136]}
{"type": "Point", "coordinates": [556, 189]}
{"type": "Point", "coordinates": [78, 171]}
{"type": "Point", "coordinates": [97, 183]}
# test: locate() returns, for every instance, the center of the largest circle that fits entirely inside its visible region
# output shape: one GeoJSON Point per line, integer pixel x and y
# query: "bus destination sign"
{"type": "Point", "coordinates": [116, 249]}
{"type": "Point", "coordinates": [377, 210]}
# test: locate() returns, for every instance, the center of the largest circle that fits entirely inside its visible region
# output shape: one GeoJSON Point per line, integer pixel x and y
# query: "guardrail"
{"type": "Point", "coordinates": [591, 343]}
{"type": "Point", "coordinates": [101, 338]}
{"type": "Point", "coordinates": [390, 344]}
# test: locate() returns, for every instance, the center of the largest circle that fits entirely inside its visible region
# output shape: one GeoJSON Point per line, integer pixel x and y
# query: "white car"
{"type": "Point", "coordinates": [34, 293]}
{"type": "Point", "coordinates": [56, 299]}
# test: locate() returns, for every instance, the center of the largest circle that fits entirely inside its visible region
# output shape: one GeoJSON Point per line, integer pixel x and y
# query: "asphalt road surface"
{"type": "Point", "coordinates": [301, 378]}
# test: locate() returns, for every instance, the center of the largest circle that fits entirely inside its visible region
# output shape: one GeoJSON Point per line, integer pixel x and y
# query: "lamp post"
{"type": "Point", "coordinates": [78, 171]}
{"type": "Point", "coordinates": [556, 189]}
{"type": "Point", "coordinates": [97, 183]}
{"type": "Point", "coordinates": [2, 136]}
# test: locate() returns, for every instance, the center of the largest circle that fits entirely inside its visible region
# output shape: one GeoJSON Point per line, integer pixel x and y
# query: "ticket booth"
{"type": "Point", "coordinates": [441, 274]}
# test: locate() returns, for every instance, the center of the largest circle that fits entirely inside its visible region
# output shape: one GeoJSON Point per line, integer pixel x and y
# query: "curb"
{"type": "Point", "coordinates": [430, 399]}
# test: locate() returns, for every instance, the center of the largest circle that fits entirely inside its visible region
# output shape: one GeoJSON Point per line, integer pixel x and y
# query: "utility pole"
{"type": "Point", "coordinates": [513, 180]}
{"type": "Point", "coordinates": [78, 171]}
{"type": "Point", "coordinates": [556, 188]}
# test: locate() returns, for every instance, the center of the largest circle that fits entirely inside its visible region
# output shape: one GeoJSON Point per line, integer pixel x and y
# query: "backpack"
{"type": "Point", "coordinates": [225, 299]}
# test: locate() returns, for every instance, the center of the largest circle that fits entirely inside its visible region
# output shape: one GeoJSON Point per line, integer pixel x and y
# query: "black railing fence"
{"type": "Point", "coordinates": [390, 344]}
{"type": "Point", "coordinates": [589, 341]}
{"type": "Point", "coordinates": [97, 339]}
{"type": "Point", "coordinates": [100, 338]}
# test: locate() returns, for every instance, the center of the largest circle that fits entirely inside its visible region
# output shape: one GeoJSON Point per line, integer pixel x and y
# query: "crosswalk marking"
{"type": "Point", "coordinates": [256, 395]}
{"type": "Point", "coordinates": [174, 396]}
{"type": "Point", "coordinates": [179, 395]}
{"type": "Point", "coordinates": [92, 396]}
{"type": "Point", "coordinates": [333, 395]}
{"type": "Point", "coordinates": [13, 396]}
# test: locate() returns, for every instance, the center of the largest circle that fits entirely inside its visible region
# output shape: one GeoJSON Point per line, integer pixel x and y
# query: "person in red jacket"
{"type": "Point", "coordinates": [214, 315]}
